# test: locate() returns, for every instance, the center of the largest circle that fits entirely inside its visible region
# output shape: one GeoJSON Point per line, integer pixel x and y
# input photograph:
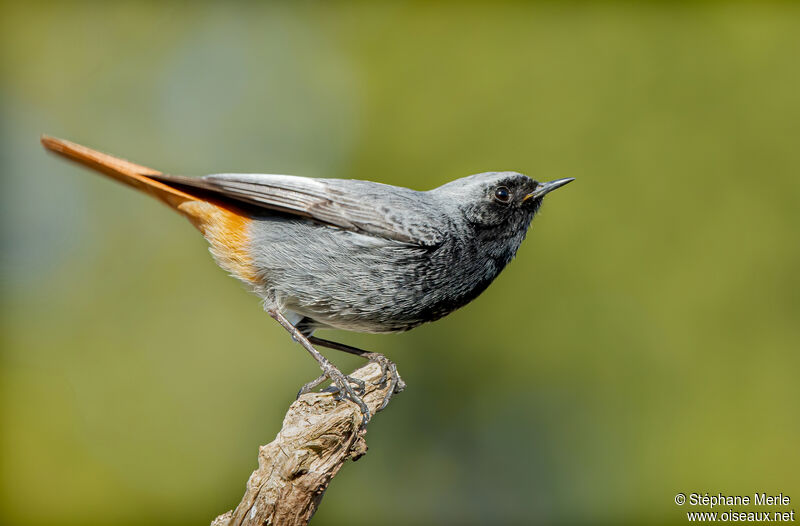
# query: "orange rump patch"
{"type": "Point", "coordinates": [228, 234]}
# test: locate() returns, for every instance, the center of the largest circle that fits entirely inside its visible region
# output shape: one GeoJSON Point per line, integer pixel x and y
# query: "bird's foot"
{"type": "Point", "coordinates": [343, 388]}
{"type": "Point", "coordinates": [361, 387]}
{"type": "Point", "coordinates": [388, 373]}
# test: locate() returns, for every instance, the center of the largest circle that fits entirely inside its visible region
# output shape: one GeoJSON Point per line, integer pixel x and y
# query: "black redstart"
{"type": "Point", "coordinates": [346, 254]}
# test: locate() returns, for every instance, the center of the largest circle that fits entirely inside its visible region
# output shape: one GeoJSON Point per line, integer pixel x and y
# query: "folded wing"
{"type": "Point", "coordinates": [375, 209]}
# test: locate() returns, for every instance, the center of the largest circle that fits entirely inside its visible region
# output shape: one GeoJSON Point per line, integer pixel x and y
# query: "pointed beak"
{"type": "Point", "coordinates": [544, 188]}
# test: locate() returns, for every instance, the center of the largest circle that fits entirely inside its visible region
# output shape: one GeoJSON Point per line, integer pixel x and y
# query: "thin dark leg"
{"type": "Point", "coordinates": [329, 371]}
{"type": "Point", "coordinates": [388, 368]}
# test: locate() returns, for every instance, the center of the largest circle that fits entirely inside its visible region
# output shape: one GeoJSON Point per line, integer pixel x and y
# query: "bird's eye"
{"type": "Point", "coordinates": [502, 194]}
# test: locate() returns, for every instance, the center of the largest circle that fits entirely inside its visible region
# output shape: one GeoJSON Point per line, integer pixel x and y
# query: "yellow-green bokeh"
{"type": "Point", "coordinates": [644, 342]}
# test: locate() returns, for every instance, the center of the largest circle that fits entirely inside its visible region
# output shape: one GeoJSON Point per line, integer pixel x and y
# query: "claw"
{"type": "Point", "coordinates": [311, 385]}
{"type": "Point", "coordinates": [384, 373]}
{"type": "Point", "coordinates": [388, 373]}
{"type": "Point", "coordinates": [342, 389]}
{"type": "Point", "coordinates": [362, 386]}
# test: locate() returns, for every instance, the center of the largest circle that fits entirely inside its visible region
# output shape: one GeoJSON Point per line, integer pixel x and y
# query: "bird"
{"type": "Point", "coordinates": [346, 254]}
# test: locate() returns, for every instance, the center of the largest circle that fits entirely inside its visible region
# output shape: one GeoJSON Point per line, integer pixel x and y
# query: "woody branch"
{"type": "Point", "coordinates": [318, 436]}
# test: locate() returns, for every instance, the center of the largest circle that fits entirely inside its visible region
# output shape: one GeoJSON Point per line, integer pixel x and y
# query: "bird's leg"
{"type": "Point", "coordinates": [388, 368]}
{"type": "Point", "coordinates": [329, 371]}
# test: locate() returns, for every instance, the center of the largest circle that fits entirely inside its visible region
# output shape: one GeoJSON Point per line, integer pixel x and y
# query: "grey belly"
{"type": "Point", "coordinates": [351, 281]}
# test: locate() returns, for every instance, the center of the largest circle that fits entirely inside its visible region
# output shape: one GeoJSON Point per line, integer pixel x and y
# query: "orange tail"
{"type": "Point", "coordinates": [223, 225]}
{"type": "Point", "coordinates": [123, 171]}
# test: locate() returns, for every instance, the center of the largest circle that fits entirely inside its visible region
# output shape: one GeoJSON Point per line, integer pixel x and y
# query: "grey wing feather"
{"type": "Point", "coordinates": [376, 209]}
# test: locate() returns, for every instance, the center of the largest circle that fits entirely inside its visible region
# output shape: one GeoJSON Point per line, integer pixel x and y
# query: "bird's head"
{"type": "Point", "coordinates": [502, 202]}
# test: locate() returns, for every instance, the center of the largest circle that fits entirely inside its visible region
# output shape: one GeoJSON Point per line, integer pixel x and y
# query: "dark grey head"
{"type": "Point", "coordinates": [493, 210]}
{"type": "Point", "coordinates": [504, 202]}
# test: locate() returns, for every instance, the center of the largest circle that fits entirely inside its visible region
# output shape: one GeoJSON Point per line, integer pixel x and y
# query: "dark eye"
{"type": "Point", "coordinates": [502, 194]}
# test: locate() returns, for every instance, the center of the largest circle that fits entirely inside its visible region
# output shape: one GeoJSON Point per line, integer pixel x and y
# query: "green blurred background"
{"type": "Point", "coordinates": [644, 342]}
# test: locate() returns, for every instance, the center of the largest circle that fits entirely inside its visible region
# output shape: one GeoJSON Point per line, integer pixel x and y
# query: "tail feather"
{"type": "Point", "coordinates": [123, 171]}
{"type": "Point", "coordinates": [224, 225]}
